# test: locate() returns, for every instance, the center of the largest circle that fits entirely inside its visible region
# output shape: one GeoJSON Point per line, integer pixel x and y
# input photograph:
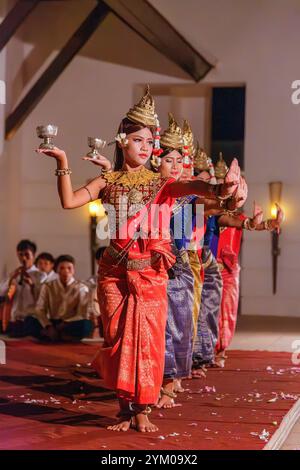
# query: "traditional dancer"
{"type": "Point", "coordinates": [178, 354]}
{"type": "Point", "coordinates": [224, 240]}
{"type": "Point", "coordinates": [132, 283]}
{"type": "Point", "coordinates": [208, 319]}
{"type": "Point", "coordinates": [231, 229]}
{"type": "Point", "coordinates": [206, 335]}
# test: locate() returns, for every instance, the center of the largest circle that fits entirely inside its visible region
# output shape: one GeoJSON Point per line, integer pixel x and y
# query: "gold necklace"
{"type": "Point", "coordinates": [131, 179]}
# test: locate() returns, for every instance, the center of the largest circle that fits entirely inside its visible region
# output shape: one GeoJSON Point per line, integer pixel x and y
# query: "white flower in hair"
{"type": "Point", "coordinates": [121, 138]}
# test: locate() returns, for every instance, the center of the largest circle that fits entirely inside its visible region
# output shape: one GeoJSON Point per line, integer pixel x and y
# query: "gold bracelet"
{"type": "Point", "coordinates": [104, 171]}
{"type": "Point", "coordinates": [231, 213]}
{"type": "Point", "coordinates": [63, 172]}
{"type": "Point", "coordinates": [217, 192]}
{"type": "Point", "coordinates": [246, 224]}
{"type": "Point", "coordinates": [251, 228]}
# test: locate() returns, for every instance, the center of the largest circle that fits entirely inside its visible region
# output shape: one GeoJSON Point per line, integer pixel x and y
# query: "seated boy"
{"type": "Point", "coordinates": [45, 263]}
{"type": "Point", "coordinates": [62, 307]}
{"type": "Point", "coordinates": [24, 284]}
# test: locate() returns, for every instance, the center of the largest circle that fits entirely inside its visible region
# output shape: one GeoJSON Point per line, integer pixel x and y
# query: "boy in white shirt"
{"type": "Point", "coordinates": [61, 312]}
{"type": "Point", "coordinates": [24, 283]}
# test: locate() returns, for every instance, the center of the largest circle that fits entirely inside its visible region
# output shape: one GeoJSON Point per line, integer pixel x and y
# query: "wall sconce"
{"type": "Point", "coordinates": [275, 189]}
{"type": "Point", "coordinates": [96, 210]}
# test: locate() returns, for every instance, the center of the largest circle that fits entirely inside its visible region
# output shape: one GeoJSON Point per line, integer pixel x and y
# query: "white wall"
{"type": "Point", "coordinates": [88, 99]}
{"type": "Point", "coordinates": [255, 42]}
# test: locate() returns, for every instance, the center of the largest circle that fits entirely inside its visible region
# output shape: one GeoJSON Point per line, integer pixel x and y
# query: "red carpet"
{"type": "Point", "coordinates": [51, 399]}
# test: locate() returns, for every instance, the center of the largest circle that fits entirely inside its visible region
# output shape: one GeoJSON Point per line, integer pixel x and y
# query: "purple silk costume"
{"type": "Point", "coordinates": [179, 328]}
{"type": "Point", "coordinates": [208, 320]}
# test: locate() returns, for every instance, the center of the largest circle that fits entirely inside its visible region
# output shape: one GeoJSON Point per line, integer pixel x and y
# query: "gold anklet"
{"type": "Point", "coordinates": [167, 393]}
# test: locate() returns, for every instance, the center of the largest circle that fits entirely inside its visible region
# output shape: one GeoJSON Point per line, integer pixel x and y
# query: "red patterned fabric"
{"type": "Point", "coordinates": [228, 253]}
{"type": "Point", "coordinates": [133, 304]}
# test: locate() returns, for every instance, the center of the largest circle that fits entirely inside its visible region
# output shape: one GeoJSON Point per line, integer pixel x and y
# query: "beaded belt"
{"type": "Point", "coordinates": [183, 255]}
{"type": "Point", "coordinates": [221, 266]}
{"type": "Point", "coordinates": [208, 262]}
{"type": "Point", "coordinates": [132, 264]}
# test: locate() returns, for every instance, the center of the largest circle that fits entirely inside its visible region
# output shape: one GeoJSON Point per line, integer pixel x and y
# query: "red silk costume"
{"type": "Point", "coordinates": [133, 299]}
{"type": "Point", "coordinates": [228, 253]}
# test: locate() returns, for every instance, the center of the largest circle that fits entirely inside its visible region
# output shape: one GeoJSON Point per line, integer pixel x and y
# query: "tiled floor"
{"type": "Point", "coordinates": [271, 334]}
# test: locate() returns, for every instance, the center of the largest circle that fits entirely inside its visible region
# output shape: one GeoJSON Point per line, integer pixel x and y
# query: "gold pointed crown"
{"type": "Point", "coordinates": [188, 137]}
{"type": "Point", "coordinates": [220, 167]}
{"type": "Point", "coordinates": [144, 111]}
{"type": "Point", "coordinates": [172, 137]}
{"type": "Point", "coordinates": [201, 160]}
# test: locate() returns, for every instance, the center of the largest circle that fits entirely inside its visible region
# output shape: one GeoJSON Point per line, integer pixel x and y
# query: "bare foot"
{"type": "Point", "coordinates": [219, 362]}
{"type": "Point", "coordinates": [198, 373]}
{"type": "Point", "coordinates": [123, 425]}
{"type": "Point", "coordinates": [167, 396]}
{"type": "Point", "coordinates": [166, 402]}
{"type": "Point", "coordinates": [142, 423]}
{"type": "Point", "coordinates": [220, 359]}
{"type": "Point", "coordinates": [177, 386]}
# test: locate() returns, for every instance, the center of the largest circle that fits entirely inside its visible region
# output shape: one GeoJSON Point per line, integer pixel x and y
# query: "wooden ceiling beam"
{"type": "Point", "coordinates": [55, 69]}
{"type": "Point", "coordinates": [14, 19]}
{"type": "Point", "coordinates": [146, 21]}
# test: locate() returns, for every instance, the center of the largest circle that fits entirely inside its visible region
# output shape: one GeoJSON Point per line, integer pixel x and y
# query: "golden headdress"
{"type": "Point", "coordinates": [144, 111]}
{"type": "Point", "coordinates": [201, 160]}
{"type": "Point", "coordinates": [221, 168]}
{"type": "Point", "coordinates": [188, 138]}
{"type": "Point", "coordinates": [172, 137]}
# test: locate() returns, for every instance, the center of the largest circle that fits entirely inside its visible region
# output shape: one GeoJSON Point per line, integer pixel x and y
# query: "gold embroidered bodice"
{"type": "Point", "coordinates": [130, 190]}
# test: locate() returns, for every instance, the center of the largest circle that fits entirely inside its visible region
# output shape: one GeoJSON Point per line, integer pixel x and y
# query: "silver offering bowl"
{"type": "Point", "coordinates": [47, 133]}
{"type": "Point", "coordinates": [96, 145]}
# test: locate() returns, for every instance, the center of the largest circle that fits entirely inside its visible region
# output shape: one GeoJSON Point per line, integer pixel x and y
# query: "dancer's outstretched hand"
{"type": "Point", "coordinates": [100, 161]}
{"type": "Point", "coordinates": [56, 153]}
{"type": "Point", "coordinates": [232, 180]}
{"type": "Point", "coordinates": [240, 196]}
{"type": "Point", "coordinates": [257, 216]}
{"type": "Point", "coordinates": [276, 223]}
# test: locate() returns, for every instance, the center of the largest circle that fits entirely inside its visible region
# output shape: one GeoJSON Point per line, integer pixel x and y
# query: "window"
{"type": "Point", "coordinates": [228, 123]}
